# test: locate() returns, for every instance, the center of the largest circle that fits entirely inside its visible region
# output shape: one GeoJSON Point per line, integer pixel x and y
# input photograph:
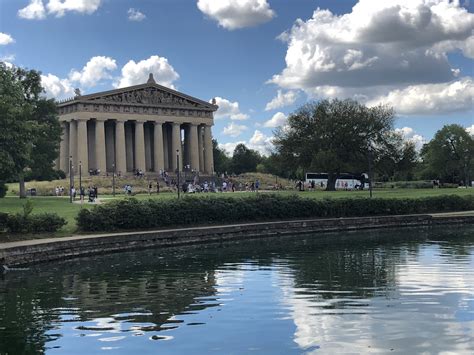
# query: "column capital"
{"type": "Point", "coordinates": [139, 122]}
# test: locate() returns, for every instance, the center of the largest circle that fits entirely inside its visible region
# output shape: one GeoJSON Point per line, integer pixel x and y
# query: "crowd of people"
{"type": "Point", "coordinates": [92, 192]}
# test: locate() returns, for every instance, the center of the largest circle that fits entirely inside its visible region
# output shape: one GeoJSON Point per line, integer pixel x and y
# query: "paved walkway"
{"type": "Point", "coordinates": [41, 241]}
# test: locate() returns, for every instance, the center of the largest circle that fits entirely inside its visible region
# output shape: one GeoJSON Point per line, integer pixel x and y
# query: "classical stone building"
{"type": "Point", "coordinates": [136, 128]}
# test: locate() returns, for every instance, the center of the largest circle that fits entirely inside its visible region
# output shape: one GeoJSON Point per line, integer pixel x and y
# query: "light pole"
{"type": "Point", "coordinates": [177, 169]}
{"type": "Point", "coordinates": [370, 170]}
{"type": "Point", "coordinates": [71, 179]}
{"type": "Point", "coordinates": [113, 179]}
{"type": "Point", "coordinates": [80, 175]}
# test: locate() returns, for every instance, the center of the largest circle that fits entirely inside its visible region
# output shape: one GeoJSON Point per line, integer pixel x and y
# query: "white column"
{"type": "Point", "coordinates": [64, 148]}
{"type": "Point", "coordinates": [139, 146]}
{"type": "Point", "coordinates": [120, 153]}
{"type": "Point", "coordinates": [208, 157]}
{"type": "Point", "coordinates": [175, 145]}
{"type": "Point", "coordinates": [201, 149]}
{"type": "Point", "coordinates": [73, 145]}
{"type": "Point", "coordinates": [82, 145]}
{"type": "Point", "coordinates": [100, 157]}
{"type": "Point", "coordinates": [193, 147]}
{"type": "Point", "coordinates": [159, 161]}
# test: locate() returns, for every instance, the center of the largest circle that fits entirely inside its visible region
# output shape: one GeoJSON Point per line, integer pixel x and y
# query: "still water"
{"type": "Point", "coordinates": [409, 291]}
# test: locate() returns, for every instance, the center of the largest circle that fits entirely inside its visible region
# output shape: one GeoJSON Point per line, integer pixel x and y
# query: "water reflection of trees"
{"type": "Point", "coordinates": [150, 288]}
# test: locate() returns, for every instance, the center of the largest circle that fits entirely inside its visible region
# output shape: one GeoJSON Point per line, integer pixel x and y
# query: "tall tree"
{"type": "Point", "coordinates": [335, 136]}
{"type": "Point", "coordinates": [221, 159]}
{"type": "Point", "coordinates": [449, 155]}
{"type": "Point", "coordinates": [29, 127]}
{"type": "Point", "coordinates": [244, 159]}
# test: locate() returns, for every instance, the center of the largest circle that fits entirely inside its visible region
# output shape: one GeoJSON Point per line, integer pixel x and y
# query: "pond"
{"type": "Point", "coordinates": [407, 291]}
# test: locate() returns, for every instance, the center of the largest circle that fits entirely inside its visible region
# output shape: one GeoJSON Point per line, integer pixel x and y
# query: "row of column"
{"type": "Point", "coordinates": [197, 150]}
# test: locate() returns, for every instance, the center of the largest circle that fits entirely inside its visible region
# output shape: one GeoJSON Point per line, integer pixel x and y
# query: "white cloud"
{"type": "Point", "coordinates": [409, 135]}
{"type": "Point", "coordinates": [278, 119]}
{"type": "Point", "coordinates": [431, 98]}
{"type": "Point", "coordinates": [34, 11]}
{"type": "Point", "coordinates": [261, 143]}
{"type": "Point", "coordinates": [96, 69]}
{"type": "Point", "coordinates": [380, 46]}
{"type": "Point", "coordinates": [7, 58]}
{"type": "Point", "coordinates": [60, 7]}
{"type": "Point", "coordinates": [135, 15]}
{"type": "Point", "coordinates": [235, 14]}
{"type": "Point", "coordinates": [134, 73]}
{"type": "Point", "coordinates": [234, 129]}
{"type": "Point", "coordinates": [37, 11]}
{"type": "Point", "coordinates": [55, 87]}
{"type": "Point", "coordinates": [470, 130]}
{"type": "Point", "coordinates": [230, 146]}
{"type": "Point", "coordinates": [228, 109]}
{"type": "Point", "coordinates": [5, 39]}
{"type": "Point", "coordinates": [281, 100]}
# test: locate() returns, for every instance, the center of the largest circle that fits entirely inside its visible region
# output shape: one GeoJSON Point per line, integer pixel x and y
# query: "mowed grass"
{"type": "Point", "coordinates": [64, 208]}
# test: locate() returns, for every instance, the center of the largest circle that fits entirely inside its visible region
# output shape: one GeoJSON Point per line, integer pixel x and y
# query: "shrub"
{"type": "Point", "coordinates": [3, 189]}
{"type": "Point", "coordinates": [3, 221]}
{"type": "Point", "coordinates": [132, 214]}
{"type": "Point", "coordinates": [34, 223]}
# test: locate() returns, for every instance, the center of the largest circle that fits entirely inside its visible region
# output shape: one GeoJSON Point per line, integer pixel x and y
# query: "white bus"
{"type": "Point", "coordinates": [344, 180]}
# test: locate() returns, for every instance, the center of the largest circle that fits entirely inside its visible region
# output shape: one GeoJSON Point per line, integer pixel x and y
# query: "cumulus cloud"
{"type": "Point", "coordinates": [230, 146]}
{"type": "Point", "coordinates": [281, 100]}
{"type": "Point", "coordinates": [234, 129]}
{"type": "Point", "coordinates": [228, 109]}
{"type": "Point", "coordinates": [431, 98]}
{"type": "Point", "coordinates": [135, 15]}
{"type": "Point", "coordinates": [55, 87]}
{"type": "Point", "coordinates": [96, 69]}
{"type": "Point", "coordinates": [409, 135]}
{"type": "Point", "coordinates": [5, 39]}
{"type": "Point", "coordinates": [36, 10]}
{"type": "Point", "coordinates": [470, 130]}
{"type": "Point", "coordinates": [261, 143]}
{"type": "Point", "coordinates": [232, 14]}
{"type": "Point", "coordinates": [278, 119]}
{"type": "Point", "coordinates": [380, 46]}
{"type": "Point", "coordinates": [134, 73]}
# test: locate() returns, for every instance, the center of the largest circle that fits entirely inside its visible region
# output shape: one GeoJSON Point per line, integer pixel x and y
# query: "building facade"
{"type": "Point", "coordinates": [137, 128]}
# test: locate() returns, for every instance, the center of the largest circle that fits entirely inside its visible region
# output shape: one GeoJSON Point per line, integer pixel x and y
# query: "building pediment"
{"type": "Point", "coordinates": [147, 95]}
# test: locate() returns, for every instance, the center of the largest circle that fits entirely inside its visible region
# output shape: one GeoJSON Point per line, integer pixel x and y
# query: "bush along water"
{"type": "Point", "coordinates": [132, 214]}
{"type": "Point", "coordinates": [26, 222]}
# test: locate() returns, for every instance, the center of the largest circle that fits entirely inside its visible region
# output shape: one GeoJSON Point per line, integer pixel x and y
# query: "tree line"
{"type": "Point", "coordinates": [337, 136]}
{"type": "Point", "coordinates": [330, 136]}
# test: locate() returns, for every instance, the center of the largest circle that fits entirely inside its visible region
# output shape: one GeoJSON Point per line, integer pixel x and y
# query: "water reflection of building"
{"type": "Point", "coordinates": [144, 291]}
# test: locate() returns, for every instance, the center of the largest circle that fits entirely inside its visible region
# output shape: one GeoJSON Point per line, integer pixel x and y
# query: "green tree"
{"type": "Point", "coordinates": [449, 155]}
{"type": "Point", "coordinates": [221, 159]}
{"type": "Point", "coordinates": [29, 127]}
{"type": "Point", "coordinates": [244, 160]}
{"type": "Point", "coordinates": [335, 136]}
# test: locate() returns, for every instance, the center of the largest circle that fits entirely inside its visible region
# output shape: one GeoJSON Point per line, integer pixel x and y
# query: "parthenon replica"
{"type": "Point", "coordinates": [137, 128]}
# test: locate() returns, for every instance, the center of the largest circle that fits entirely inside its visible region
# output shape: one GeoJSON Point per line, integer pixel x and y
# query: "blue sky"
{"type": "Point", "coordinates": [255, 56]}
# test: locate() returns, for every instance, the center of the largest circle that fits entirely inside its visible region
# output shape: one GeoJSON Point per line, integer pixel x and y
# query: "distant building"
{"type": "Point", "coordinates": [136, 128]}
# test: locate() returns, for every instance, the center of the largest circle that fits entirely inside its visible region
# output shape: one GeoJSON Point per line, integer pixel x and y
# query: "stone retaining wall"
{"type": "Point", "coordinates": [41, 250]}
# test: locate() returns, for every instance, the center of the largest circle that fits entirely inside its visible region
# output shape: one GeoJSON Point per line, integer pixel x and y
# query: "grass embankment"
{"type": "Point", "coordinates": [63, 208]}
{"type": "Point", "coordinates": [140, 185]}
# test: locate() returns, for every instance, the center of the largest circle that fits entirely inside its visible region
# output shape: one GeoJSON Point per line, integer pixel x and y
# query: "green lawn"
{"type": "Point", "coordinates": [62, 207]}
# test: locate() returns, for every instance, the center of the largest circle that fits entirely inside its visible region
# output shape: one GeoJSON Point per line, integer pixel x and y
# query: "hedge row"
{"type": "Point", "coordinates": [32, 223]}
{"type": "Point", "coordinates": [132, 214]}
